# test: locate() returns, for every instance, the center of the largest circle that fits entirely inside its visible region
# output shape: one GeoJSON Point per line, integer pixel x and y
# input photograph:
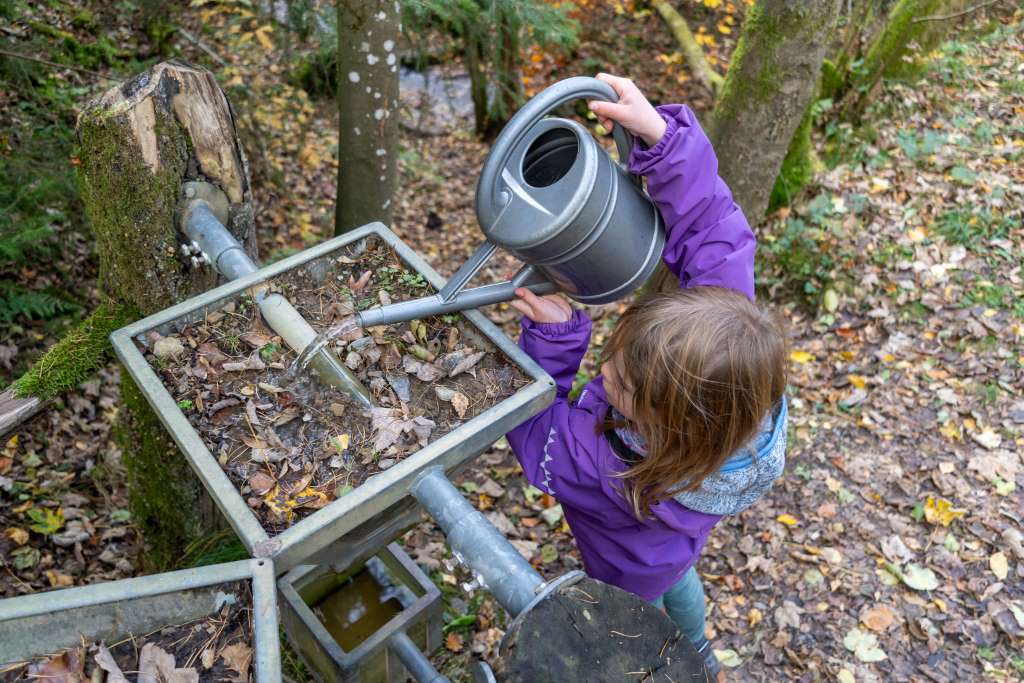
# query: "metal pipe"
{"type": "Point", "coordinates": [460, 301]}
{"type": "Point", "coordinates": [476, 542]}
{"type": "Point", "coordinates": [229, 258]}
{"type": "Point", "coordinates": [414, 661]}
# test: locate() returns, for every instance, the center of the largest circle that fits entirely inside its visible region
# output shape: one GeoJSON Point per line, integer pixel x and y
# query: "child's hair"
{"type": "Point", "coordinates": [704, 366]}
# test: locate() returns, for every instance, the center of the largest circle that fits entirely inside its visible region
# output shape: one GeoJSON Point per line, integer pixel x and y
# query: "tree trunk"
{"type": "Point", "coordinates": [368, 32]}
{"type": "Point", "coordinates": [886, 52]}
{"type": "Point", "coordinates": [771, 80]}
{"type": "Point", "coordinates": [477, 79]}
{"type": "Point", "coordinates": [139, 141]}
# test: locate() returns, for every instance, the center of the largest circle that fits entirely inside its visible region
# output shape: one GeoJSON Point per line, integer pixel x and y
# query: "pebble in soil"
{"type": "Point", "coordinates": [292, 445]}
{"type": "Point", "coordinates": [218, 647]}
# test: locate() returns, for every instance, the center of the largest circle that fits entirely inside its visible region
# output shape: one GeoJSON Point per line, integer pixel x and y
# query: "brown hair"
{"type": "Point", "coordinates": [704, 366]}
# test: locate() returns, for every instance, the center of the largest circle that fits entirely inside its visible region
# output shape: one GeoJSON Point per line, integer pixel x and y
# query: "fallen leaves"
{"type": "Point", "coordinates": [999, 565]}
{"type": "Point", "coordinates": [941, 511]}
{"type": "Point", "coordinates": [863, 645]}
{"type": "Point", "coordinates": [878, 618]}
{"type": "Point", "coordinates": [390, 424]}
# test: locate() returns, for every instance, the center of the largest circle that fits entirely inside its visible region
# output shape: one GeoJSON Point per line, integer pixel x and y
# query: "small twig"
{"type": "Point", "coordinates": [954, 15]}
{"type": "Point", "coordinates": [625, 635]}
{"type": "Point", "coordinates": [203, 46]}
{"type": "Point", "coordinates": [17, 55]}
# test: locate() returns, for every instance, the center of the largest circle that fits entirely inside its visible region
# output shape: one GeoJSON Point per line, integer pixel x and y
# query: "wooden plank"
{"type": "Point", "coordinates": [14, 411]}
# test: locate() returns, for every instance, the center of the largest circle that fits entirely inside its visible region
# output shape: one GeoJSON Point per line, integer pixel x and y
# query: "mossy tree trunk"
{"type": "Point", "coordinates": [907, 27]}
{"type": "Point", "coordinates": [772, 78]}
{"type": "Point", "coordinates": [368, 32]}
{"type": "Point", "coordinates": [139, 141]}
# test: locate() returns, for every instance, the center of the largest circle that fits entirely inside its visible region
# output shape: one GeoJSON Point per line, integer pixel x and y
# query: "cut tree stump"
{"type": "Point", "coordinates": [139, 142]}
{"type": "Point", "coordinates": [590, 631]}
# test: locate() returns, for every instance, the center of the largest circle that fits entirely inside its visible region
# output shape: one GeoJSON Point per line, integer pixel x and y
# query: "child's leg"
{"type": "Point", "coordinates": [684, 603]}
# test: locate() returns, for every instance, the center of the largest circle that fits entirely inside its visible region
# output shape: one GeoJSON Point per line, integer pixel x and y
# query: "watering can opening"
{"type": "Point", "coordinates": [550, 157]}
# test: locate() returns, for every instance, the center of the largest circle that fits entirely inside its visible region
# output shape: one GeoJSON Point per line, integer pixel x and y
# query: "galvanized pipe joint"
{"type": "Point", "coordinates": [477, 543]}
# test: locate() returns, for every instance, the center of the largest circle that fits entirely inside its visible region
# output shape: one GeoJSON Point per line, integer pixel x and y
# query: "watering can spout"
{"type": "Point", "coordinates": [452, 300]}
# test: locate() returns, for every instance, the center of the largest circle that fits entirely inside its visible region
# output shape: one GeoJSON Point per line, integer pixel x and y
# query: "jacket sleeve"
{"type": "Point", "coordinates": [558, 347]}
{"type": "Point", "coordinates": [552, 458]}
{"type": "Point", "coordinates": [708, 242]}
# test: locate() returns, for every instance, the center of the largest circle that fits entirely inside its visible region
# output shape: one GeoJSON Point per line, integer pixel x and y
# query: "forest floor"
{"type": "Point", "coordinates": [892, 547]}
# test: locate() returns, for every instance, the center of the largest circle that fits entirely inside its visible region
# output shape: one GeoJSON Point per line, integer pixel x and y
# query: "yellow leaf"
{"type": "Point", "coordinates": [801, 357]}
{"type": "Point", "coordinates": [340, 442]}
{"type": "Point", "coordinates": [722, 28]}
{"type": "Point", "coordinates": [951, 431]}
{"type": "Point", "coordinates": [857, 381]}
{"type": "Point", "coordinates": [916, 234]}
{"type": "Point", "coordinates": [712, 4]}
{"type": "Point", "coordinates": [19, 536]}
{"type": "Point", "coordinates": [309, 497]}
{"type": "Point", "coordinates": [941, 511]}
{"type": "Point", "coordinates": [788, 520]}
{"type": "Point", "coordinates": [998, 564]}
{"type": "Point", "coordinates": [263, 38]}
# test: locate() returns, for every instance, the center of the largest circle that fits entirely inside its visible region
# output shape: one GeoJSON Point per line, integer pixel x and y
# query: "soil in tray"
{"type": "Point", "coordinates": [218, 647]}
{"type": "Point", "coordinates": [292, 445]}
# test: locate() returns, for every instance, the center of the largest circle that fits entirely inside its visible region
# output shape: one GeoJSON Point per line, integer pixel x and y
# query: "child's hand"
{"type": "Point", "coordinates": [553, 308]}
{"type": "Point", "coordinates": [632, 111]}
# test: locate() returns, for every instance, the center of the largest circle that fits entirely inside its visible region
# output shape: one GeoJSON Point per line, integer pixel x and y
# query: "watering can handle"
{"type": "Point", "coordinates": [577, 87]}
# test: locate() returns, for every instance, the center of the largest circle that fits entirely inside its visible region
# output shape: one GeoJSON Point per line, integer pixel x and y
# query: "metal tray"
{"type": "Point", "coordinates": [373, 659]}
{"type": "Point", "coordinates": [42, 624]}
{"type": "Point", "coordinates": [370, 513]}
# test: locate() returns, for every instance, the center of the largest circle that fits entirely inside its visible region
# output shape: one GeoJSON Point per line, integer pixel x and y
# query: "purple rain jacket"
{"type": "Point", "coordinates": [709, 243]}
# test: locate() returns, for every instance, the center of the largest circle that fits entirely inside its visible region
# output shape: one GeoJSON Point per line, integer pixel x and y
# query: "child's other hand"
{"type": "Point", "coordinates": [553, 308]}
{"type": "Point", "coordinates": [632, 111]}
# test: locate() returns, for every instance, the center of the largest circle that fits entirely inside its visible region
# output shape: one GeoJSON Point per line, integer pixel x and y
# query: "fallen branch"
{"type": "Point", "coordinates": [954, 15]}
{"type": "Point", "coordinates": [692, 52]}
{"type": "Point", "coordinates": [18, 55]}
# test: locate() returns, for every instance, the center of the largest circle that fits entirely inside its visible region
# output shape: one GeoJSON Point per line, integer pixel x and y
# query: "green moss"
{"type": "Point", "coordinates": [797, 167]}
{"type": "Point", "coordinates": [74, 357]}
{"type": "Point", "coordinates": [131, 208]}
{"type": "Point", "coordinates": [832, 79]}
{"type": "Point", "coordinates": [888, 48]}
{"type": "Point", "coordinates": [164, 495]}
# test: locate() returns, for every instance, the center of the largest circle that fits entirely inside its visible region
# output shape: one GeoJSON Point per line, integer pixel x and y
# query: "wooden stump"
{"type": "Point", "coordinates": [139, 142]}
{"type": "Point", "coordinates": [590, 631]}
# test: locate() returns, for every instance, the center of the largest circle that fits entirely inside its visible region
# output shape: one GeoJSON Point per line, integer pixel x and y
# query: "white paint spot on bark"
{"type": "Point", "coordinates": [379, 114]}
{"type": "Point", "coordinates": [353, 76]}
{"type": "Point", "coordinates": [386, 204]}
{"type": "Point", "coordinates": [381, 16]}
{"type": "Point", "coordinates": [376, 95]}
{"type": "Point", "coordinates": [364, 46]}
{"type": "Point", "coordinates": [394, 68]}
{"type": "Point", "coordinates": [356, 130]}
{"type": "Point", "coordinates": [372, 59]}
{"type": "Point", "coordinates": [389, 45]}
{"type": "Point", "coordinates": [380, 151]}
{"type": "Point", "coordinates": [383, 178]}
{"type": "Point", "coordinates": [368, 89]}
{"type": "Point", "coordinates": [391, 59]}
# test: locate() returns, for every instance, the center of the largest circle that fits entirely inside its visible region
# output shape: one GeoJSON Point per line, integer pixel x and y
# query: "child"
{"type": "Point", "coordinates": [687, 421]}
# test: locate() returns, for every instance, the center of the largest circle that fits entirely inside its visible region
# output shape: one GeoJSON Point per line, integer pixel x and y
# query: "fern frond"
{"type": "Point", "coordinates": [18, 302]}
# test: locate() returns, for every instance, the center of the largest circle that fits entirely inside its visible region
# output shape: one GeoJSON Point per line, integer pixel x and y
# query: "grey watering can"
{"type": "Point", "coordinates": [550, 194]}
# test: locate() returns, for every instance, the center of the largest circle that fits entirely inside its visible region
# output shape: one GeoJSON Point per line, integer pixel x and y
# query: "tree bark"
{"type": "Point", "coordinates": [139, 141]}
{"type": "Point", "coordinates": [771, 80]}
{"type": "Point", "coordinates": [692, 52]}
{"type": "Point", "coordinates": [368, 32]}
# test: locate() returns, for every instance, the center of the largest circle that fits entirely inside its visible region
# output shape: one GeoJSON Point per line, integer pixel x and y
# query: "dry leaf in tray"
{"type": "Point", "coordinates": [458, 362]}
{"type": "Point", "coordinates": [63, 668]}
{"type": "Point", "coordinates": [253, 362]}
{"type": "Point", "coordinates": [105, 661]}
{"type": "Point", "coordinates": [391, 423]}
{"type": "Point", "coordinates": [425, 372]}
{"type": "Point", "coordinates": [237, 657]}
{"type": "Point", "coordinates": [157, 666]}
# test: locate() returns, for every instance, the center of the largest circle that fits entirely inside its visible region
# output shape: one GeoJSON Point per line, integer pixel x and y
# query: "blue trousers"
{"type": "Point", "coordinates": [684, 603]}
